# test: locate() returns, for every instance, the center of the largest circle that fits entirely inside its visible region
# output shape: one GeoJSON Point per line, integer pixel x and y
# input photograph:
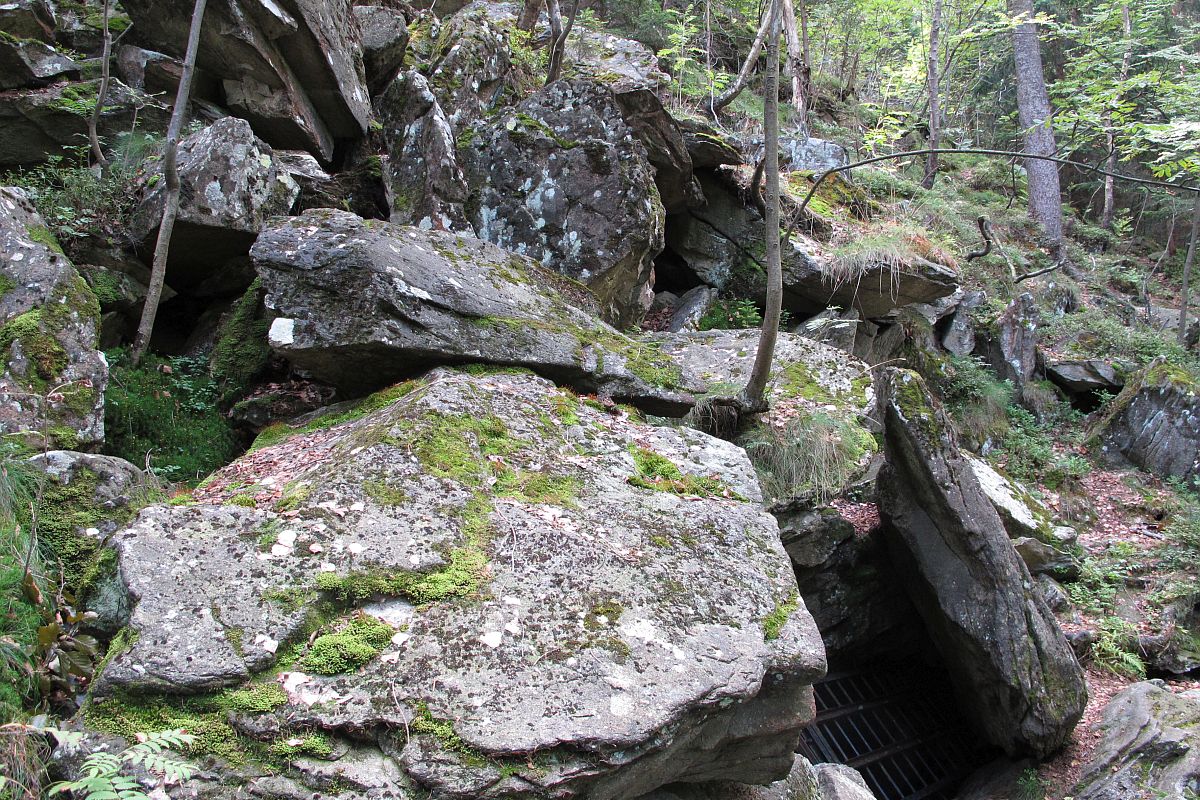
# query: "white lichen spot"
{"type": "Point", "coordinates": [282, 332]}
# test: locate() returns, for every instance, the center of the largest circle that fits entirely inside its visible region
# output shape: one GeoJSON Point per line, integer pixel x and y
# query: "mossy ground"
{"type": "Point", "coordinates": [657, 472]}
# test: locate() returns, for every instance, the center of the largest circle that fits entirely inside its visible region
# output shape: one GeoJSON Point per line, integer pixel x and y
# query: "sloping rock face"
{"type": "Point", "coordinates": [468, 62]}
{"type": "Point", "coordinates": [1010, 664]}
{"type": "Point", "coordinates": [37, 123]}
{"type": "Point", "coordinates": [384, 39]}
{"type": "Point", "coordinates": [1150, 746]}
{"type": "Point", "coordinates": [425, 184]}
{"type": "Point", "coordinates": [293, 69]}
{"type": "Point", "coordinates": [562, 179]}
{"type": "Point", "coordinates": [578, 606]}
{"type": "Point", "coordinates": [1155, 423]}
{"type": "Point", "coordinates": [361, 304]}
{"type": "Point", "coordinates": [1011, 346]}
{"type": "Point", "coordinates": [1022, 515]}
{"type": "Point", "coordinates": [230, 185]}
{"type": "Point", "coordinates": [53, 378]}
{"type": "Point", "coordinates": [31, 63]}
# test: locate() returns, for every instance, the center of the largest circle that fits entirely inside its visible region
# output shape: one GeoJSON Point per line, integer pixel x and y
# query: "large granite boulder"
{"type": "Point", "coordinates": [480, 584]}
{"type": "Point", "coordinates": [230, 185]}
{"type": "Point", "coordinates": [28, 62]}
{"type": "Point", "coordinates": [384, 40]}
{"type": "Point", "coordinates": [666, 148]}
{"type": "Point", "coordinates": [958, 337]}
{"type": "Point", "coordinates": [1150, 746]}
{"type": "Point", "coordinates": [360, 304]}
{"type": "Point", "coordinates": [1012, 669]}
{"type": "Point", "coordinates": [38, 123]}
{"type": "Point", "coordinates": [562, 179]}
{"type": "Point", "coordinates": [468, 63]}
{"type": "Point", "coordinates": [425, 183]}
{"type": "Point", "coordinates": [804, 782]}
{"type": "Point", "coordinates": [293, 69]}
{"type": "Point", "coordinates": [1154, 423]}
{"type": "Point", "coordinates": [1079, 375]}
{"type": "Point", "coordinates": [52, 377]}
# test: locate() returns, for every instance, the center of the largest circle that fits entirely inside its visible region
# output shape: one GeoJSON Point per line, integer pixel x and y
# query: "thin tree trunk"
{"type": "Point", "coordinates": [1033, 112]}
{"type": "Point", "coordinates": [101, 94]}
{"type": "Point", "coordinates": [795, 64]}
{"type": "Point", "coordinates": [805, 54]}
{"type": "Point", "coordinates": [753, 397]}
{"type": "Point", "coordinates": [1188, 260]}
{"type": "Point", "coordinates": [558, 41]}
{"type": "Point", "coordinates": [158, 270]}
{"type": "Point", "coordinates": [739, 83]}
{"type": "Point", "coordinates": [935, 104]}
{"type": "Point", "coordinates": [1110, 189]}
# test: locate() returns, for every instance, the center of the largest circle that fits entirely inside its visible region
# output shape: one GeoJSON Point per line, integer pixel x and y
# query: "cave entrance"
{"type": "Point", "coordinates": [899, 726]}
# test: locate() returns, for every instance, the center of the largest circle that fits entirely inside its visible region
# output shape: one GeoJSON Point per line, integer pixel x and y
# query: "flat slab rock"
{"type": "Point", "coordinates": [622, 637]}
{"type": "Point", "coordinates": [362, 303]}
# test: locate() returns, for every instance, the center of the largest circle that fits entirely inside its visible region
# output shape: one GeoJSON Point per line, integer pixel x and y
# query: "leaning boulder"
{"type": "Point", "coordinates": [1150, 746]}
{"type": "Point", "coordinates": [230, 185]}
{"type": "Point", "coordinates": [1084, 375]}
{"type": "Point", "coordinates": [360, 304]}
{"type": "Point", "coordinates": [1009, 662]}
{"type": "Point", "coordinates": [1022, 514]}
{"type": "Point", "coordinates": [1154, 423]}
{"type": "Point", "coordinates": [384, 40]}
{"type": "Point", "coordinates": [294, 69]}
{"type": "Point", "coordinates": [562, 179]}
{"type": "Point", "coordinates": [52, 377]}
{"type": "Point", "coordinates": [482, 584]}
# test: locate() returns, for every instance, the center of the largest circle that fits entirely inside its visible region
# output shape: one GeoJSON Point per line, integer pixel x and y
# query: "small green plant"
{"type": "Point", "coordinates": [815, 455]}
{"type": "Point", "coordinates": [1113, 650]}
{"type": "Point", "coordinates": [1031, 786]}
{"type": "Point", "coordinates": [103, 775]}
{"type": "Point", "coordinates": [731, 315]}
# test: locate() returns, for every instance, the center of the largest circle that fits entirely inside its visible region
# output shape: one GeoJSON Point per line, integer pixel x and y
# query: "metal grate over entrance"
{"type": "Point", "coordinates": [898, 726]}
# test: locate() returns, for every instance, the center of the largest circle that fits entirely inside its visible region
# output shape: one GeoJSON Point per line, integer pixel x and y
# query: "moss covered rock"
{"type": "Point", "coordinates": [53, 378]}
{"type": "Point", "coordinates": [512, 592]}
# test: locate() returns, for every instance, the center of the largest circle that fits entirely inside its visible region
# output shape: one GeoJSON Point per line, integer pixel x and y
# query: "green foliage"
{"type": "Point", "coordinates": [1031, 786]}
{"type": "Point", "coordinates": [348, 648]}
{"type": "Point", "coordinates": [731, 314]}
{"type": "Point", "coordinates": [241, 351]}
{"type": "Point", "coordinates": [20, 613]}
{"type": "Point", "coordinates": [107, 776]}
{"type": "Point", "coordinates": [165, 412]}
{"type": "Point", "coordinates": [978, 401]}
{"type": "Point", "coordinates": [773, 624]}
{"type": "Point", "coordinates": [1114, 650]}
{"type": "Point", "coordinates": [813, 455]}
{"type": "Point", "coordinates": [1095, 330]}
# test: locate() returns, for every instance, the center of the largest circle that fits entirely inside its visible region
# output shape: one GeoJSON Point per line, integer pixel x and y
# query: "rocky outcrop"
{"type": "Point", "coordinates": [230, 185]}
{"type": "Point", "coordinates": [1010, 665]}
{"type": "Point", "coordinates": [799, 153]}
{"type": "Point", "coordinates": [468, 62]}
{"type": "Point", "coordinates": [562, 179]}
{"type": "Point", "coordinates": [38, 123]}
{"type": "Point", "coordinates": [666, 149]}
{"type": "Point", "coordinates": [361, 304]}
{"type": "Point", "coordinates": [1154, 423]}
{"type": "Point", "coordinates": [483, 585]}
{"type": "Point", "coordinates": [804, 782]}
{"type": "Point", "coordinates": [28, 19]}
{"type": "Point", "coordinates": [1021, 513]}
{"type": "Point", "coordinates": [959, 336]}
{"type": "Point", "coordinates": [1150, 743]}
{"type": "Point", "coordinates": [52, 377]}
{"type": "Point", "coordinates": [293, 69]}
{"type": "Point", "coordinates": [424, 182]}
{"type": "Point", "coordinates": [1010, 343]}
{"type": "Point", "coordinates": [1084, 375]}
{"type": "Point", "coordinates": [384, 40]}
{"type": "Point", "coordinates": [28, 62]}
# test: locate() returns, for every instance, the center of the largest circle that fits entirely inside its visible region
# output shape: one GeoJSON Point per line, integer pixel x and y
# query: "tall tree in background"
{"type": "Point", "coordinates": [935, 104]}
{"type": "Point", "coordinates": [1110, 193]}
{"type": "Point", "coordinates": [1033, 113]}
{"type": "Point", "coordinates": [158, 270]}
{"type": "Point", "coordinates": [753, 397]}
{"type": "Point", "coordinates": [795, 64]}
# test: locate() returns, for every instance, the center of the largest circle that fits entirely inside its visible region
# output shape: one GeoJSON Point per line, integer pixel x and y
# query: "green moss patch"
{"type": "Point", "coordinates": [777, 619]}
{"type": "Point", "coordinates": [659, 473]}
{"type": "Point", "coordinates": [241, 351]}
{"type": "Point", "coordinates": [347, 648]}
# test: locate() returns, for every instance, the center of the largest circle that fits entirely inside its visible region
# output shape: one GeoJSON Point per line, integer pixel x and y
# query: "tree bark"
{"type": "Point", "coordinates": [158, 270]}
{"type": "Point", "coordinates": [935, 105]}
{"type": "Point", "coordinates": [805, 53]}
{"type": "Point", "coordinates": [1188, 261]}
{"type": "Point", "coordinates": [1110, 189]}
{"type": "Point", "coordinates": [101, 93]}
{"type": "Point", "coordinates": [1033, 112]}
{"type": "Point", "coordinates": [739, 83]}
{"type": "Point", "coordinates": [795, 65]}
{"type": "Point", "coordinates": [753, 397]}
{"type": "Point", "coordinates": [558, 39]}
{"type": "Point", "coordinates": [529, 14]}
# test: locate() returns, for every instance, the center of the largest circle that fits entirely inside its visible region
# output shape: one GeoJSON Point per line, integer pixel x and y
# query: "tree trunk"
{"type": "Point", "coordinates": [935, 106]}
{"type": "Point", "coordinates": [158, 270]}
{"type": "Point", "coordinates": [795, 65]}
{"type": "Point", "coordinates": [529, 14]}
{"type": "Point", "coordinates": [1110, 189]}
{"type": "Point", "coordinates": [101, 93]}
{"type": "Point", "coordinates": [739, 83]}
{"type": "Point", "coordinates": [1188, 260]}
{"type": "Point", "coordinates": [1033, 112]}
{"type": "Point", "coordinates": [558, 40]}
{"type": "Point", "coordinates": [753, 397]}
{"type": "Point", "coordinates": [805, 54]}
